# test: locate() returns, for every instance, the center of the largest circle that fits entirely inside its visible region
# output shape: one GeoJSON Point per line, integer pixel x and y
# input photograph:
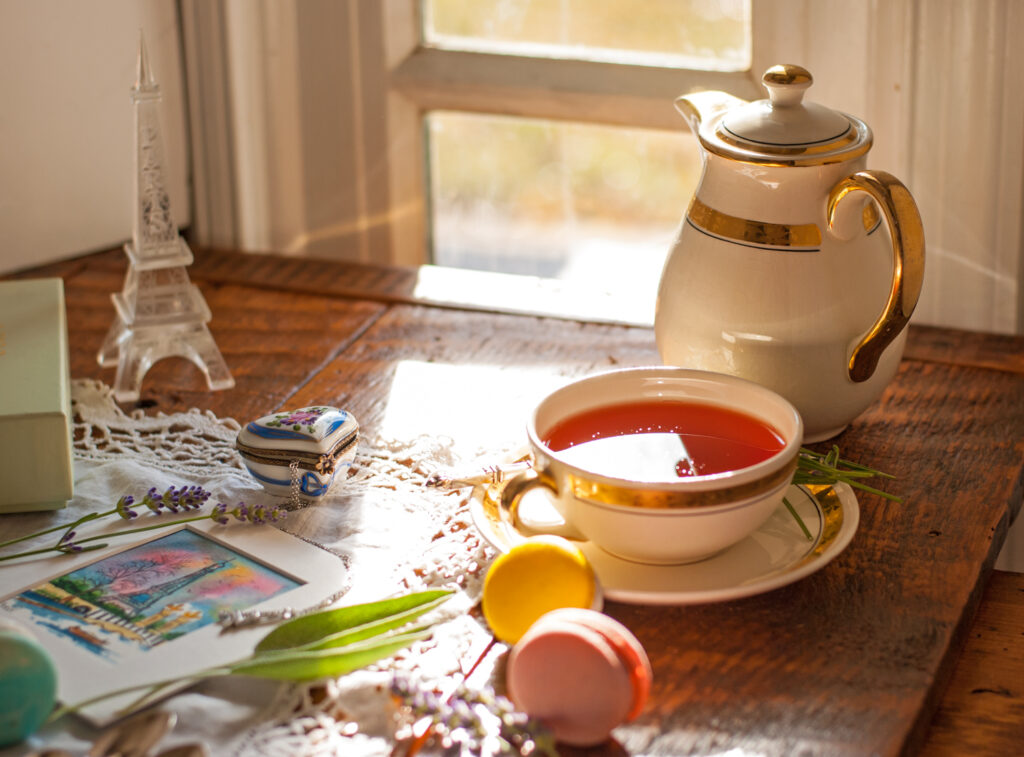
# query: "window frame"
{"type": "Point", "coordinates": [421, 78]}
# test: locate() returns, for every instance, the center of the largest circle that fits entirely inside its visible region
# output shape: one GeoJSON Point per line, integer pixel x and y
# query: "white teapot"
{"type": "Point", "coordinates": [783, 272]}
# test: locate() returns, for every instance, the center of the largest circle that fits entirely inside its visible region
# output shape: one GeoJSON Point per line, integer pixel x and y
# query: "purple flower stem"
{"type": "Point", "coordinates": [61, 547]}
{"type": "Point", "coordinates": [43, 551]}
{"type": "Point", "coordinates": [140, 529]}
{"type": "Point", "coordinates": [62, 526]}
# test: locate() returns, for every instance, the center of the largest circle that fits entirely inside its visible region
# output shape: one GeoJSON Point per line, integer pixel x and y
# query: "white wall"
{"type": "Point", "coordinates": [66, 68]}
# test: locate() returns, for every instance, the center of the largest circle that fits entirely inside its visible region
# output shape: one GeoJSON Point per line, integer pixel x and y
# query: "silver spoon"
{"type": "Point", "coordinates": [135, 736]}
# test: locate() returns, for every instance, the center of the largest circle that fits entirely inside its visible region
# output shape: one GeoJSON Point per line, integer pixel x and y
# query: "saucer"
{"type": "Point", "coordinates": [775, 555]}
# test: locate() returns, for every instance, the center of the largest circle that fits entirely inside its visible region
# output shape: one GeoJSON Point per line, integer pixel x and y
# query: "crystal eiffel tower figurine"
{"type": "Point", "coordinates": [160, 313]}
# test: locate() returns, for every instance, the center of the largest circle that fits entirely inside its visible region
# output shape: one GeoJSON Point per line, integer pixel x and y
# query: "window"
{"type": "Point", "coordinates": [568, 199]}
{"type": "Point", "coordinates": [551, 146]}
{"type": "Point", "coordinates": [701, 34]}
{"type": "Point", "coordinates": [558, 199]}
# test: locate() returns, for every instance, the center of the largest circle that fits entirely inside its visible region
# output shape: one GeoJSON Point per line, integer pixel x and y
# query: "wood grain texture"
{"type": "Point", "coordinates": [982, 712]}
{"type": "Point", "coordinates": [1000, 352]}
{"type": "Point", "coordinates": [277, 272]}
{"type": "Point", "coordinates": [852, 660]}
{"type": "Point", "coordinates": [272, 345]}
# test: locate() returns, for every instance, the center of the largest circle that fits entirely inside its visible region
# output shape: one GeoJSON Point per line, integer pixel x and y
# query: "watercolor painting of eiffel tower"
{"type": "Point", "coordinates": [138, 601]}
{"type": "Point", "coordinates": [160, 313]}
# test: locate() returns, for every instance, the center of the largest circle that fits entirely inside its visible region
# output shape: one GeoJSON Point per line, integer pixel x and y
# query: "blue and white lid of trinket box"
{"type": "Point", "coordinates": [316, 441]}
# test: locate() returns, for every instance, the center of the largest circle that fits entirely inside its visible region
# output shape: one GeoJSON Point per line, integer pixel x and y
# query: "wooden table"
{"type": "Point", "coordinates": [856, 659]}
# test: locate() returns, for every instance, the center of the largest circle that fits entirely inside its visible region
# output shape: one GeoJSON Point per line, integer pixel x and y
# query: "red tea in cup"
{"type": "Point", "coordinates": [655, 440]}
{"type": "Point", "coordinates": [706, 459]}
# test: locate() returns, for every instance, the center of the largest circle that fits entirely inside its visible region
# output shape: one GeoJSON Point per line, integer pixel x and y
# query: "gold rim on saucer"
{"type": "Point", "coordinates": [775, 555]}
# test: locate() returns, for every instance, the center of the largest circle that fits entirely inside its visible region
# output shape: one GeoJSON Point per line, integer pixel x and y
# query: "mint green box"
{"type": "Point", "coordinates": [35, 397]}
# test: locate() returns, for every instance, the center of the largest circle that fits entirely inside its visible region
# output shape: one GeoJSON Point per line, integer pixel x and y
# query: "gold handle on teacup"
{"type": "Point", "coordinates": [907, 235]}
{"type": "Point", "coordinates": [512, 495]}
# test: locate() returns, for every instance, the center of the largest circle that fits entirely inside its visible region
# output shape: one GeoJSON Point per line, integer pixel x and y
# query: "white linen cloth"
{"type": "Point", "coordinates": [392, 534]}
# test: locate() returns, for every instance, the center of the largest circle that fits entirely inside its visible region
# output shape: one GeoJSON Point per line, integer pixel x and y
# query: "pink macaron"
{"type": "Point", "coordinates": [579, 672]}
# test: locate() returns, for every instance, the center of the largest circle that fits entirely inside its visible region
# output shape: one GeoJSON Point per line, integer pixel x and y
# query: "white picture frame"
{"type": "Point", "coordinates": [100, 658]}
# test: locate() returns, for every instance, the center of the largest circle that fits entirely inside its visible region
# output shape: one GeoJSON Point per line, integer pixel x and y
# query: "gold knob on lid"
{"type": "Point", "coordinates": [786, 83]}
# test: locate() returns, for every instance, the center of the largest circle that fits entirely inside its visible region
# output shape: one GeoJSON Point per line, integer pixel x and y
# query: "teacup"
{"type": "Point", "coordinates": [657, 519]}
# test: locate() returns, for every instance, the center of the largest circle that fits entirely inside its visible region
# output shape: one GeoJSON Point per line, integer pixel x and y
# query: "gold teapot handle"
{"type": "Point", "coordinates": [907, 235]}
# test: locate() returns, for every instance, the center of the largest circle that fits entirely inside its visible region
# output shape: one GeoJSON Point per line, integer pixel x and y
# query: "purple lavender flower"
{"type": "Point", "coordinates": [69, 547]}
{"type": "Point", "coordinates": [169, 500]}
{"type": "Point", "coordinates": [173, 499]}
{"type": "Point", "coordinates": [463, 722]}
{"type": "Point", "coordinates": [262, 514]}
{"type": "Point", "coordinates": [153, 500]}
{"type": "Point", "coordinates": [245, 513]}
{"type": "Point", "coordinates": [192, 497]}
{"type": "Point", "coordinates": [123, 507]}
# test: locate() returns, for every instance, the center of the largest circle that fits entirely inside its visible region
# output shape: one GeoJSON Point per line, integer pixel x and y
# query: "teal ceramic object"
{"type": "Point", "coordinates": [28, 686]}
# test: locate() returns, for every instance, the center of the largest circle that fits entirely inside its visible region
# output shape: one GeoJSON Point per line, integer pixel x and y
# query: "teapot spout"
{"type": "Point", "coordinates": [699, 107]}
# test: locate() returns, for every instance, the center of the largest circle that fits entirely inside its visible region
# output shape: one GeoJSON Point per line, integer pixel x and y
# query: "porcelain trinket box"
{"type": "Point", "coordinates": [316, 441]}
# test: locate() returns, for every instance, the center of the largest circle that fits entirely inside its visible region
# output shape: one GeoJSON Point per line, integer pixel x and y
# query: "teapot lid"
{"type": "Point", "coordinates": [785, 130]}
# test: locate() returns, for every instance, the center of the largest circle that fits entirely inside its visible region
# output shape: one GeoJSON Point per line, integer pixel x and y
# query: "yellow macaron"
{"type": "Point", "coordinates": [541, 574]}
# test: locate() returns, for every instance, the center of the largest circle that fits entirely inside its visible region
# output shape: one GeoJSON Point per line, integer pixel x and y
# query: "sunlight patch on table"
{"type": "Point", "coordinates": [482, 408]}
{"type": "Point", "coordinates": [533, 295]}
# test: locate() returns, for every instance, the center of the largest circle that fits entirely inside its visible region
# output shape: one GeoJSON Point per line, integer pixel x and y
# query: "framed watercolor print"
{"type": "Point", "coordinates": [147, 611]}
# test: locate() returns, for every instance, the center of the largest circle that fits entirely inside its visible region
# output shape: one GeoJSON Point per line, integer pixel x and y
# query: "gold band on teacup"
{"type": "Point", "coordinates": [654, 499]}
{"type": "Point", "coordinates": [805, 236]}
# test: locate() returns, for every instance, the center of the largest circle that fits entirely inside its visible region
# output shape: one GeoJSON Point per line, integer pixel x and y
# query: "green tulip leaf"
{"type": "Point", "coordinates": [373, 628]}
{"type": "Point", "coordinates": [309, 665]}
{"type": "Point", "coordinates": [328, 644]}
{"type": "Point", "coordinates": [345, 625]}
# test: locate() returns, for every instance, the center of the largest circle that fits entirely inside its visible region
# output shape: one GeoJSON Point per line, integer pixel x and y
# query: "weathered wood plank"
{"type": "Point", "coordinates": [998, 352]}
{"type": "Point", "coordinates": [982, 712]}
{"type": "Point", "coordinates": [273, 342]}
{"type": "Point", "coordinates": [278, 272]}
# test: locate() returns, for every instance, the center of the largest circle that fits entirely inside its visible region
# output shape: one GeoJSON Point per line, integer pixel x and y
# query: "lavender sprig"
{"type": "Point", "coordinates": [466, 722]}
{"type": "Point", "coordinates": [70, 547]}
{"type": "Point", "coordinates": [256, 514]}
{"type": "Point", "coordinates": [124, 507]}
{"type": "Point", "coordinates": [185, 499]}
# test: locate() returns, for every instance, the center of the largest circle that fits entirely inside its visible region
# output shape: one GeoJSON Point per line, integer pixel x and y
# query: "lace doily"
{"type": "Point", "coordinates": [391, 533]}
{"type": "Point", "coordinates": [183, 444]}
